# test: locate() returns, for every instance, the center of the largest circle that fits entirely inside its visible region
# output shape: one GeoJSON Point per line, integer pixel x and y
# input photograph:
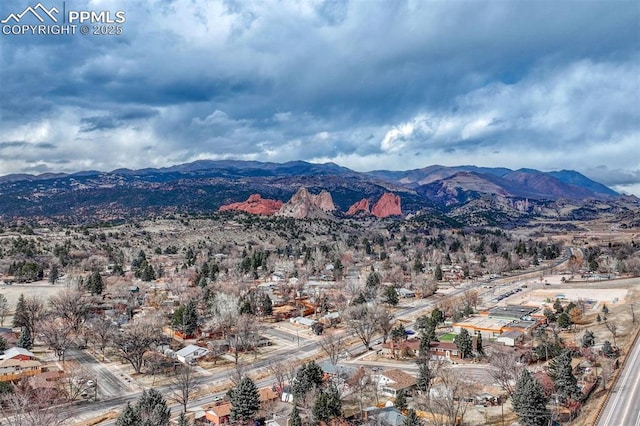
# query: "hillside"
{"type": "Point", "coordinates": [202, 187]}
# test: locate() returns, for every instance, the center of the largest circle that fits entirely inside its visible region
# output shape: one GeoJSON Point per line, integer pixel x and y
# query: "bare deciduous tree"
{"type": "Point", "coordinates": [361, 383]}
{"type": "Point", "coordinates": [56, 334]}
{"type": "Point", "coordinates": [244, 336]}
{"type": "Point", "coordinates": [75, 383]}
{"type": "Point", "coordinates": [102, 332]}
{"type": "Point", "coordinates": [613, 329]}
{"type": "Point", "coordinates": [283, 372]}
{"type": "Point", "coordinates": [505, 370]}
{"type": "Point", "coordinates": [27, 406]}
{"type": "Point", "coordinates": [455, 395]}
{"type": "Point", "coordinates": [471, 298]}
{"type": "Point", "coordinates": [182, 385]}
{"type": "Point", "coordinates": [225, 310]}
{"type": "Point", "coordinates": [33, 312]}
{"type": "Point", "coordinates": [333, 345]}
{"type": "Point", "coordinates": [385, 322]}
{"type": "Point", "coordinates": [71, 306]}
{"type": "Point", "coordinates": [361, 320]}
{"type": "Point", "coordinates": [137, 339]}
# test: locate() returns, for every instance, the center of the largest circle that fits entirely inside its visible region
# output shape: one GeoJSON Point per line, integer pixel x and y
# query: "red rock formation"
{"type": "Point", "coordinates": [303, 204]}
{"type": "Point", "coordinates": [387, 205]}
{"type": "Point", "coordinates": [255, 204]}
{"type": "Point", "coordinates": [360, 206]}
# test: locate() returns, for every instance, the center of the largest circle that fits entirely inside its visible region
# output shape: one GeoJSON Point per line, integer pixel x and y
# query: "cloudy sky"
{"type": "Point", "coordinates": [368, 84]}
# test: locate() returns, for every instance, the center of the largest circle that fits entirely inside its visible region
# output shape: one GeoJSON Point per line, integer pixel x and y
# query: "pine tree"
{"type": "Point", "coordinates": [294, 417]}
{"type": "Point", "coordinates": [183, 420]}
{"type": "Point", "coordinates": [25, 340]}
{"type": "Point", "coordinates": [190, 318]}
{"type": "Point", "coordinates": [391, 296]}
{"type": "Point", "coordinates": [529, 402]}
{"type": "Point", "coordinates": [266, 305]}
{"type": "Point", "coordinates": [437, 274]}
{"type": "Point", "coordinates": [412, 419]}
{"type": "Point", "coordinates": [308, 377]}
{"type": "Point", "coordinates": [54, 274]}
{"type": "Point", "coordinates": [327, 405]}
{"type": "Point", "coordinates": [479, 347]}
{"type": "Point", "coordinates": [245, 400]}
{"type": "Point", "coordinates": [557, 305]}
{"type": "Point", "coordinates": [398, 333]}
{"type": "Point", "coordinates": [464, 343]}
{"type": "Point", "coordinates": [564, 320]}
{"type": "Point", "coordinates": [152, 409]}
{"type": "Point", "coordinates": [401, 401]}
{"type": "Point", "coordinates": [437, 315]}
{"type": "Point", "coordinates": [424, 351]}
{"type": "Point", "coordinates": [94, 283]}
{"type": "Point", "coordinates": [607, 349]}
{"type": "Point", "coordinates": [360, 300]}
{"type": "Point", "coordinates": [20, 316]}
{"type": "Point", "coordinates": [561, 373]}
{"type": "Point", "coordinates": [373, 283]}
{"type": "Point", "coordinates": [128, 417]}
{"type": "Point", "coordinates": [588, 339]}
{"type": "Point", "coordinates": [425, 375]}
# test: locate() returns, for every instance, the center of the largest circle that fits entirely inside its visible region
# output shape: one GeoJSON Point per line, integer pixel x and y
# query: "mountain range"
{"type": "Point", "coordinates": [466, 194]}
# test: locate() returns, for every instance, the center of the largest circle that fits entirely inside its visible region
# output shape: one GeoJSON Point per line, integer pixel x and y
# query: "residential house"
{"type": "Point", "coordinates": [444, 350]}
{"type": "Point", "coordinates": [219, 414]}
{"type": "Point", "coordinates": [190, 353]}
{"type": "Point", "coordinates": [393, 349]}
{"type": "Point", "coordinates": [391, 382]}
{"type": "Point", "coordinates": [304, 322]}
{"type": "Point", "coordinates": [406, 293]}
{"type": "Point", "coordinates": [387, 416]}
{"type": "Point", "coordinates": [18, 353]}
{"type": "Point", "coordinates": [341, 371]}
{"type": "Point", "coordinates": [15, 368]}
{"type": "Point", "coordinates": [267, 396]}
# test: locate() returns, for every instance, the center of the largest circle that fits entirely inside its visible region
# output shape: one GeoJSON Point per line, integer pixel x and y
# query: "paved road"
{"type": "Point", "coordinates": [109, 385]}
{"type": "Point", "coordinates": [623, 407]}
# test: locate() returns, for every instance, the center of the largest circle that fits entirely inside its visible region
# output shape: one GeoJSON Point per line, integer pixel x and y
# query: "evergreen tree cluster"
{"type": "Point", "coordinates": [529, 402]}
{"type": "Point", "coordinates": [245, 401]}
{"type": "Point", "coordinates": [464, 343]}
{"type": "Point", "coordinates": [308, 377]}
{"type": "Point", "coordinates": [185, 318]}
{"type": "Point", "coordinates": [327, 405]}
{"type": "Point", "coordinates": [94, 283]}
{"type": "Point", "coordinates": [150, 410]}
{"type": "Point", "coordinates": [142, 268]}
{"type": "Point", "coordinates": [561, 372]}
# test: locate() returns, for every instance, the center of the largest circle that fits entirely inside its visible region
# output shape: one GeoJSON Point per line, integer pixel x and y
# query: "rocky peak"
{"type": "Point", "coordinates": [303, 204]}
{"type": "Point", "coordinates": [387, 205]}
{"type": "Point", "coordinates": [324, 201]}
{"type": "Point", "coordinates": [360, 206]}
{"type": "Point", "coordinates": [255, 204]}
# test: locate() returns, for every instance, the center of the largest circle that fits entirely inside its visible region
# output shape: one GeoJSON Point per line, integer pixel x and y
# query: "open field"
{"type": "Point", "coordinates": [40, 289]}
